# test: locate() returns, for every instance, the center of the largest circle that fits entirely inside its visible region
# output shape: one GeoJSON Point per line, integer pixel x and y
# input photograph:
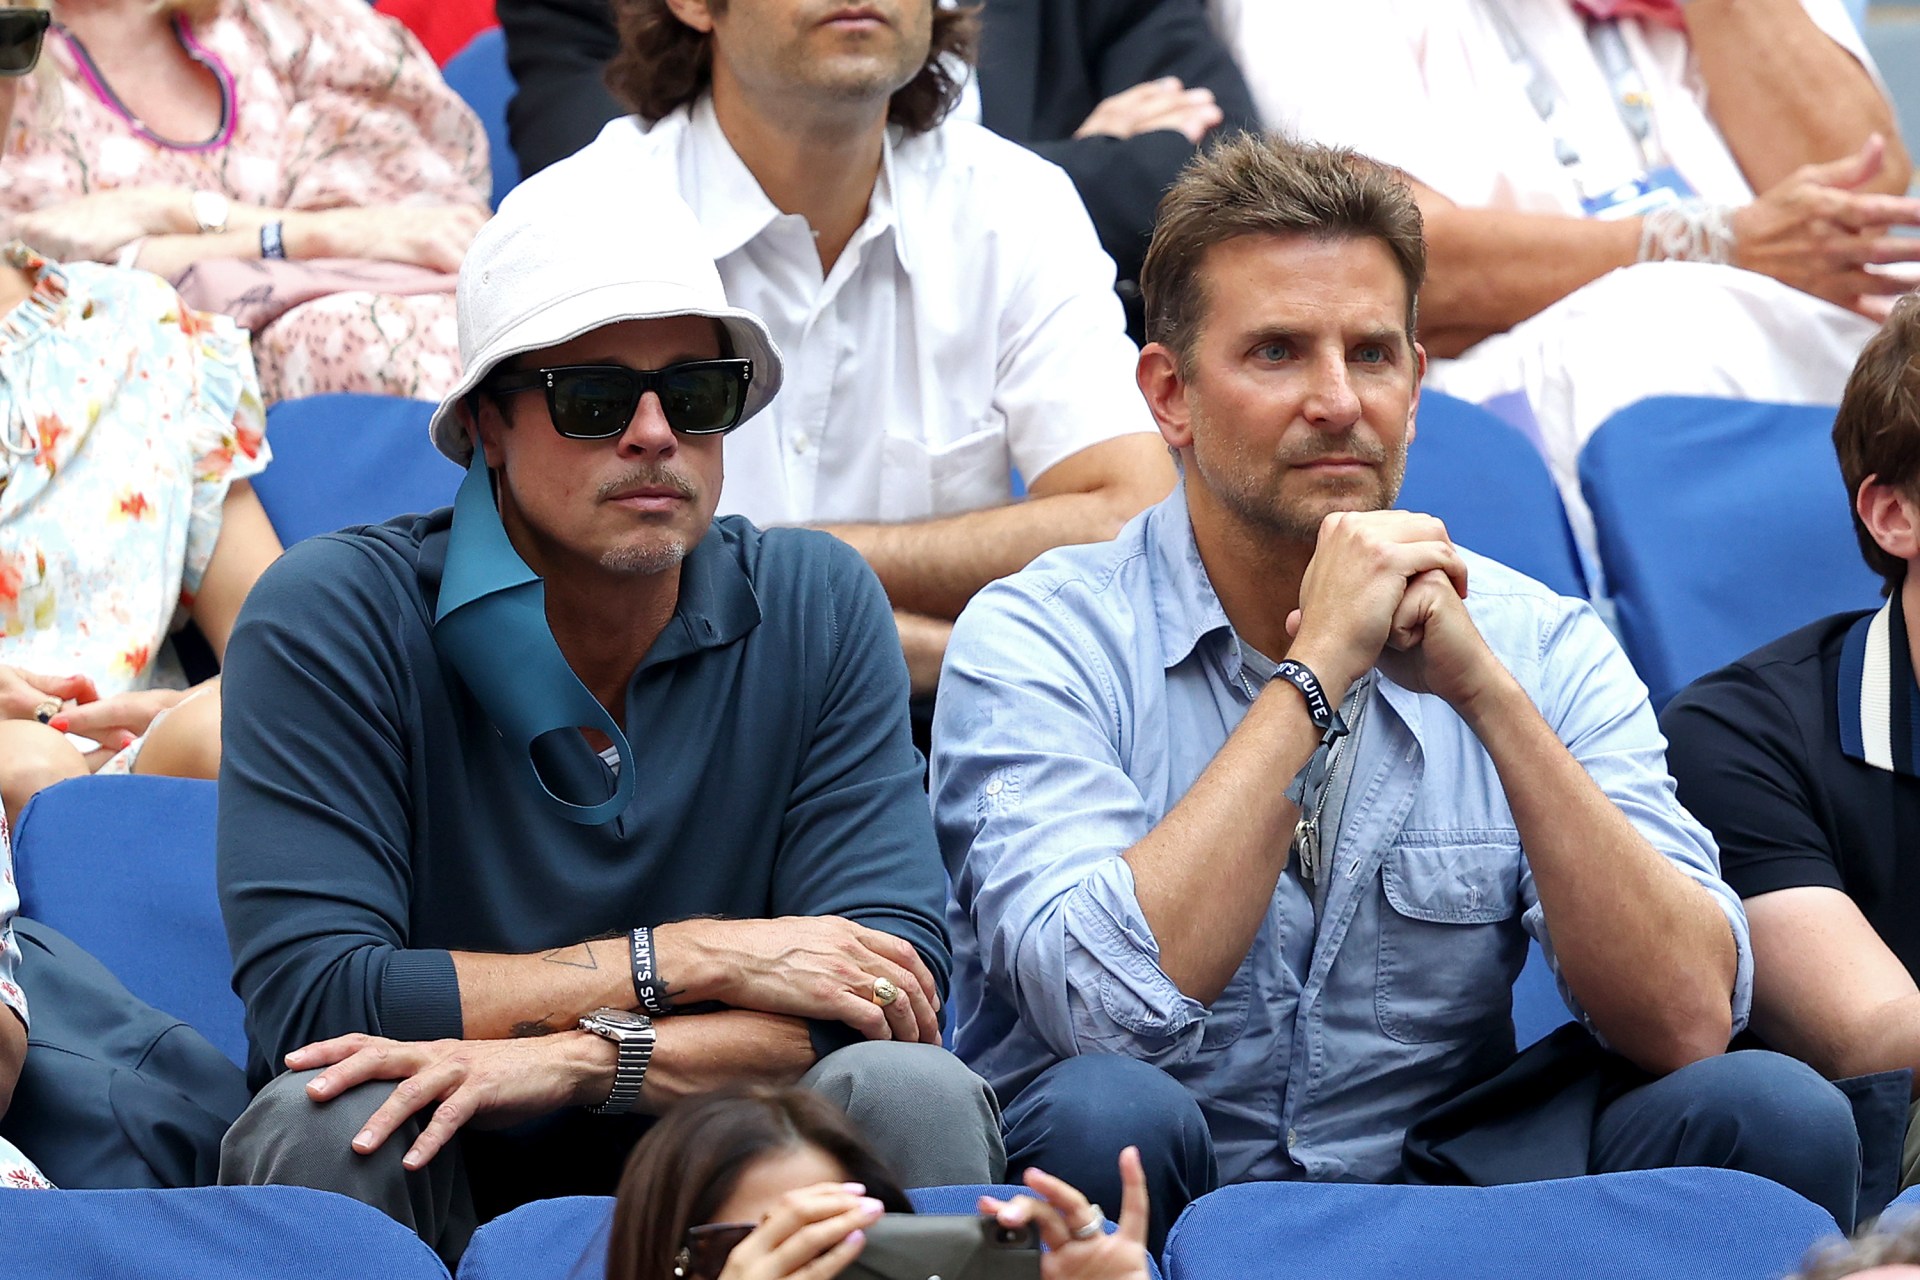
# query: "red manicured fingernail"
{"type": "Point", "coordinates": [127, 739]}
{"type": "Point", "coordinates": [58, 724]}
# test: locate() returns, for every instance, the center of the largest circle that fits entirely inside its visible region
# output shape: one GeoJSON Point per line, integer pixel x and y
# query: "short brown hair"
{"type": "Point", "coordinates": [1877, 431]}
{"type": "Point", "coordinates": [663, 63]}
{"type": "Point", "coordinates": [687, 1165]}
{"type": "Point", "coordinates": [1251, 185]}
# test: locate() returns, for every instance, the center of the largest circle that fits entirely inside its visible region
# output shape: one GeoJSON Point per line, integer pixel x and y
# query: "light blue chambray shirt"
{"type": "Point", "coordinates": [1083, 697]}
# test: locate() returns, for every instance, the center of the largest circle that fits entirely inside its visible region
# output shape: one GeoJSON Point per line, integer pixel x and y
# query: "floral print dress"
{"type": "Point", "coordinates": [15, 1169]}
{"type": "Point", "coordinates": [334, 106]}
{"type": "Point", "coordinates": [124, 417]}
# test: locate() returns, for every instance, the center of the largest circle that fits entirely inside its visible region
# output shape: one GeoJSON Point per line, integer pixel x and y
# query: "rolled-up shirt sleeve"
{"type": "Point", "coordinates": [1034, 810]}
{"type": "Point", "coordinates": [1597, 704]}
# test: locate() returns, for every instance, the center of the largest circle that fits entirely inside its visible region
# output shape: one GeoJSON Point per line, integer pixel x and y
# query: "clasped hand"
{"type": "Point", "coordinates": [812, 967]}
{"type": "Point", "coordinates": [1386, 589]}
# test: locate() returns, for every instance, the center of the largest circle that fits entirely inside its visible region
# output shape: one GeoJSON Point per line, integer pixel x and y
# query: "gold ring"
{"type": "Point", "coordinates": [885, 992]}
{"type": "Point", "coordinates": [47, 710]}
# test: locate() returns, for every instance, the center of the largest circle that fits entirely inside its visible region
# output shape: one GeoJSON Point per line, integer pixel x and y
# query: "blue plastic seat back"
{"type": "Point", "coordinates": [125, 867]}
{"type": "Point", "coordinates": [559, 1239]}
{"type": "Point", "coordinates": [1722, 525]}
{"type": "Point", "coordinates": [1493, 490]}
{"type": "Point", "coordinates": [207, 1233]}
{"type": "Point", "coordinates": [1537, 1006]}
{"type": "Point", "coordinates": [479, 74]}
{"type": "Point", "coordinates": [1649, 1225]}
{"type": "Point", "coordinates": [538, 1241]}
{"type": "Point", "coordinates": [347, 459]}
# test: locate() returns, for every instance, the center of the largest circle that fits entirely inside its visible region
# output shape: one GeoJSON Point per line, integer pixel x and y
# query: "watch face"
{"type": "Point", "coordinates": [621, 1019]}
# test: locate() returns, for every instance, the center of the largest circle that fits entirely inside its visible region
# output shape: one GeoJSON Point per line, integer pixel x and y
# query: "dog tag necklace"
{"type": "Point", "coordinates": [1307, 841]}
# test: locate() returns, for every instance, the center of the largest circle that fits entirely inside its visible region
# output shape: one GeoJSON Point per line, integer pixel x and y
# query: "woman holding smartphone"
{"type": "Point", "coordinates": [764, 1183]}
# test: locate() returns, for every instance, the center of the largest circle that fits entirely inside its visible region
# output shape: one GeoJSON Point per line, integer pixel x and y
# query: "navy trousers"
{"type": "Point", "coordinates": [1759, 1112]}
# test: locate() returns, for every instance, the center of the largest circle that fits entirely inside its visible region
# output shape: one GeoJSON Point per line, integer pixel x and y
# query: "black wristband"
{"type": "Point", "coordinates": [648, 989]}
{"type": "Point", "coordinates": [273, 245]}
{"type": "Point", "coordinates": [1320, 708]}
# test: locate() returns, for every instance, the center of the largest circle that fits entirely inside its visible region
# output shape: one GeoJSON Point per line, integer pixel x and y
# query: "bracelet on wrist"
{"type": "Point", "coordinates": [648, 990]}
{"type": "Point", "coordinates": [1322, 710]}
{"type": "Point", "coordinates": [273, 243]}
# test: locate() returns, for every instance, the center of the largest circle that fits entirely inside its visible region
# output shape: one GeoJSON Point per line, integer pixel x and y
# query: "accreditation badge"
{"type": "Point", "coordinates": [1655, 189]}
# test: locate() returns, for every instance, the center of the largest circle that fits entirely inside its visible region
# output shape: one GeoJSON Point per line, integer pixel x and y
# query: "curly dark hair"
{"type": "Point", "coordinates": [663, 64]}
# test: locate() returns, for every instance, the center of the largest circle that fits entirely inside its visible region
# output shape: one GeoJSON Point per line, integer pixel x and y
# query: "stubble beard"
{"type": "Point", "coordinates": [1248, 485]}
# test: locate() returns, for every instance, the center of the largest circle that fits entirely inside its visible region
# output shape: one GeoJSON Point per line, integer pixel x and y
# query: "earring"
{"type": "Point", "coordinates": [681, 1261]}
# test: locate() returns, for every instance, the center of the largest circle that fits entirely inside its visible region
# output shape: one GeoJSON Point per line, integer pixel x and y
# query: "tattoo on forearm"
{"type": "Point", "coordinates": [574, 957]}
{"type": "Point", "coordinates": [523, 1030]}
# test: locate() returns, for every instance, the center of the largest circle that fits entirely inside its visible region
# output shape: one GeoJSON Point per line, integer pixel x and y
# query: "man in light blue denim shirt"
{"type": "Point", "coordinates": [1158, 939]}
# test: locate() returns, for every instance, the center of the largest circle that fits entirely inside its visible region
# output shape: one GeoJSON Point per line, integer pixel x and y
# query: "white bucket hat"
{"type": "Point", "coordinates": [573, 249]}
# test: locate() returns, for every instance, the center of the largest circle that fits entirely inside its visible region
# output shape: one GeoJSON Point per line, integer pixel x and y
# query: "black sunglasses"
{"type": "Point", "coordinates": [703, 1253]}
{"type": "Point", "coordinates": [598, 401]}
{"type": "Point", "coordinates": [21, 31]}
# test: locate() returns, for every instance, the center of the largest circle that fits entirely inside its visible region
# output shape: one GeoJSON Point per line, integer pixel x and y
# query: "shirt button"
{"type": "Point", "coordinates": [994, 786]}
{"type": "Point", "coordinates": [1293, 1137]}
{"type": "Point", "coordinates": [801, 443]}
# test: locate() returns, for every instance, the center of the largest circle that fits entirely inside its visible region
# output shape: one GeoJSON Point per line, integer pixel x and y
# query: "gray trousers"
{"type": "Point", "coordinates": [933, 1121]}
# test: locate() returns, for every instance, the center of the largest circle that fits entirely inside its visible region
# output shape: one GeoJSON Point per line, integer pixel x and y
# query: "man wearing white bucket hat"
{"type": "Point", "coordinates": [535, 779]}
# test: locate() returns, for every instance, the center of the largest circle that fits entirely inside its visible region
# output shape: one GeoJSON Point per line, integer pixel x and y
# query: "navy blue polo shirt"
{"type": "Point", "coordinates": [1801, 759]}
{"type": "Point", "coordinates": [371, 820]}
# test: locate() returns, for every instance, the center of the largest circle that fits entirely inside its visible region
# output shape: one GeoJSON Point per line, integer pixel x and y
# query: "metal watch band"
{"type": "Point", "coordinates": [632, 1036]}
{"type": "Point", "coordinates": [1320, 708]}
{"type": "Point", "coordinates": [648, 989]}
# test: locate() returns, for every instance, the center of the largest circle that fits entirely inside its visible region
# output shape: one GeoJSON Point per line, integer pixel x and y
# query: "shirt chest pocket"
{"type": "Point", "coordinates": [1449, 941]}
{"type": "Point", "coordinates": [919, 479]}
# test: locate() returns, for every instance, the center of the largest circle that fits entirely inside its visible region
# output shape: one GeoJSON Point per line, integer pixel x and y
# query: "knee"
{"type": "Point", "coordinates": [33, 757]}
{"type": "Point", "coordinates": [1774, 1116]}
{"type": "Point", "coordinates": [283, 1129]}
{"type": "Point", "coordinates": [1099, 1104]}
{"type": "Point", "coordinates": [1781, 1096]}
{"type": "Point", "coordinates": [916, 1079]}
{"type": "Point", "coordinates": [185, 743]}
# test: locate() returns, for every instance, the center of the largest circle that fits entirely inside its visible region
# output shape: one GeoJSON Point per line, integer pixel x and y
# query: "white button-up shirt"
{"type": "Point", "coordinates": [968, 330]}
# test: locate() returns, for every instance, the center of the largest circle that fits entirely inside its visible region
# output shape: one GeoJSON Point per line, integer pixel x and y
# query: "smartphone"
{"type": "Point", "coordinates": [926, 1246]}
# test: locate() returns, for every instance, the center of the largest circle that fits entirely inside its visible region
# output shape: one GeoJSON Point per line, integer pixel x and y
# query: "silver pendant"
{"type": "Point", "coordinates": [1306, 839]}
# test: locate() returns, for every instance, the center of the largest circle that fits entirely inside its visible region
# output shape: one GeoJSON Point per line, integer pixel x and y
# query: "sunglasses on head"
{"type": "Point", "coordinates": [703, 1253]}
{"type": "Point", "coordinates": [598, 401]}
{"type": "Point", "coordinates": [21, 31]}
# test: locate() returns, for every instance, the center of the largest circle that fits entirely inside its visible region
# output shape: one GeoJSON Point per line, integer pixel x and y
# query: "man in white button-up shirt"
{"type": "Point", "coordinates": [943, 304]}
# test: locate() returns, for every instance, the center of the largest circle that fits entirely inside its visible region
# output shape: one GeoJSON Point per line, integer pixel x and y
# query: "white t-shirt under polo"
{"type": "Point", "coordinates": [969, 328]}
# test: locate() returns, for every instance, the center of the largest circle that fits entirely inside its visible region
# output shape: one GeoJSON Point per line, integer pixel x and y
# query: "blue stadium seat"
{"type": "Point", "coordinates": [125, 867]}
{"type": "Point", "coordinates": [1698, 1223]}
{"type": "Point", "coordinates": [1537, 1006]}
{"type": "Point", "coordinates": [1722, 525]}
{"type": "Point", "coordinates": [206, 1233]}
{"type": "Point", "coordinates": [1492, 488]}
{"type": "Point", "coordinates": [478, 73]}
{"type": "Point", "coordinates": [561, 1239]}
{"type": "Point", "coordinates": [534, 1242]}
{"type": "Point", "coordinates": [1904, 1204]}
{"type": "Point", "coordinates": [347, 459]}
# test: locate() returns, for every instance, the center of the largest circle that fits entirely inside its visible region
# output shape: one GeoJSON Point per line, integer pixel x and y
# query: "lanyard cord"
{"type": "Point", "coordinates": [1631, 97]}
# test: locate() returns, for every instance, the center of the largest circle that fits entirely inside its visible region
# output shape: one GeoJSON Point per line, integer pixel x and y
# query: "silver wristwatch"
{"type": "Point", "coordinates": [632, 1034]}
